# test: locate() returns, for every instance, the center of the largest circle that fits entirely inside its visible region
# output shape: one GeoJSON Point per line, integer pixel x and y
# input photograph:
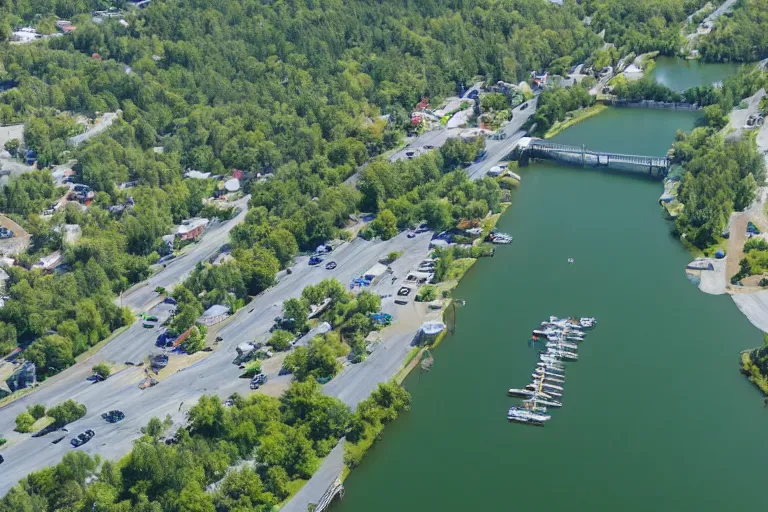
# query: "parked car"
{"type": "Point", "coordinates": [330, 265]}
{"type": "Point", "coordinates": [169, 300]}
{"type": "Point", "coordinates": [524, 106]}
{"type": "Point", "coordinates": [1, 459]}
{"type": "Point", "coordinates": [83, 438]}
{"type": "Point", "coordinates": [315, 260]}
{"type": "Point", "coordinates": [404, 291]}
{"type": "Point", "coordinates": [258, 380]}
{"type": "Point", "coordinates": [5, 233]}
{"type": "Point", "coordinates": [411, 234]}
{"type": "Point", "coordinates": [113, 416]}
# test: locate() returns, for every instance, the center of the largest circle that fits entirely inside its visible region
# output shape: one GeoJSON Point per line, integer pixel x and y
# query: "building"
{"type": "Point", "coordinates": [191, 229]}
{"type": "Point", "coordinates": [374, 272]}
{"type": "Point", "coordinates": [213, 315]}
{"type": "Point", "coordinates": [22, 378]}
{"type": "Point", "coordinates": [49, 262]}
{"type": "Point", "coordinates": [25, 35]}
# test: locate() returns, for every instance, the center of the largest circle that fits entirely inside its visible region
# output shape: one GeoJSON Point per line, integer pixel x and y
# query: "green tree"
{"type": "Point", "coordinates": [102, 369]}
{"type": "Point", "coordinates": [24, 422]}
{"type": "Point", "coordinates": [280, 340]}
{"type": "Point", "coordinates": [296, 310]}
{"type": "Point", "coordinates": [67, 412]}
{"type": "Point", "coordinates": [385, 225]}
{"type": "Point", "coordinates": [37, 411]}
{"type": "Point", "coordinates": [368, 302]}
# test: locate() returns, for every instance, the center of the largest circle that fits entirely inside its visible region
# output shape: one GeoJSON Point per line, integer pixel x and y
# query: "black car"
{"type": "Point", "coordinates": [1, 459]}
{"type": "Point", "coordinates": [83, 438]}
{"type": "Point", "coordinates": [524, 106]}
{"type": "Point", "coordinates": [330, 265]}
{"type": "Point", "coordinates": [258, 380]}
{"type": "Point", "coordinates": [113, 416]}
{"type": "Point", "coordinates": [315, 260]}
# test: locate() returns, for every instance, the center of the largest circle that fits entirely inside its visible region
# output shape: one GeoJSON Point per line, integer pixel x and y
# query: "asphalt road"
{"type": "Point", "coordinates": [143, 295]}
{"type": "Point", "coordinates": [213, 374]}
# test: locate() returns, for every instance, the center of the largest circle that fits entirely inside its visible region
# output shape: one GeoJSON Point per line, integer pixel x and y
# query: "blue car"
{"type": "Point", "coordinates": [169, 300]}
{"type": "Point", "coordinates": [315, 260]}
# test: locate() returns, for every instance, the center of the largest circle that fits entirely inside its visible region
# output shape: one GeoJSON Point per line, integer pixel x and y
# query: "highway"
{"type": "Point", "coordinates": [213, 374]}
{"type": "Point", "coordinates": [143, 295]}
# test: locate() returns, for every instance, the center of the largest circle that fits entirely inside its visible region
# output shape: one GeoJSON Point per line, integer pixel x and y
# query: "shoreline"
{"type": "Point", "coordinates": [580, 115]}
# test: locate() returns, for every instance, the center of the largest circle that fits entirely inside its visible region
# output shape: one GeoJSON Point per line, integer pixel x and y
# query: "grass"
{"type": "Point", "coordinates": [458, 268]}
{"type": "Point", "coordinates": [574, 119]}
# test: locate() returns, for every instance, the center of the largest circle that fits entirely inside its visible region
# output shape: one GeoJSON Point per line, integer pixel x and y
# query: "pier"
{"type": "Point", "coordinates": [653, 166]}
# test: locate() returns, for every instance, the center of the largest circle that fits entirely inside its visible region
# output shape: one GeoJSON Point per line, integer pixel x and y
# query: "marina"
{"type": "Point", "coordinates": [549, 373]}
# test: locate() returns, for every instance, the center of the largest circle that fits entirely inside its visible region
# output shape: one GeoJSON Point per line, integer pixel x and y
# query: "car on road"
{"type": "Point", "coordinates": [5, 233]}
{"type": "Point", "coordinates": [82, 438]}
{"type": "Point", "coordinates": [113, 416]}
{"type": "Point", "coordinates": [411, 234]}
{"type": "Point", "coordinates": [1, 459]}
{"type": "Point", "coordinates": [95, 378]}
{"type": "Point", "coordinates": [169, 300]}
{"type": "Point", "coordinates": [331, 265]}
{"type": "Point", "coordinates": [404, 291]}
{"type": "Point", "coordinates": [524, 106]}
{"type": "Point", "coordinates": [429, 146]}
{"type": "Point", "coordinates": [258, 380]}
{"type": "Point", "coordinates": [315, 260]}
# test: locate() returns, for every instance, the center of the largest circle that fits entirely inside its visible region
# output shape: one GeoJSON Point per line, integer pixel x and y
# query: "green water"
{"type": "Point", "coordinates": [681, 74]}
{"type": "Point", "coordinates": [656, 415]}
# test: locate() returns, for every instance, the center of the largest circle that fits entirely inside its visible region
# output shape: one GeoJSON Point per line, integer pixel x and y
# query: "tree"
{"type": "Point", "coordinates": [50, 355]}
{"type": "Point", "coordinates": [24, 422]}
{"type": "Point", "coordinates": [12, 146]}
{"type": "Point", "coordinates": [102, 369]}
{"type": "Point", "coordinates": [7, 337]}
{"type": "Point", "coordinates": [297, 311]}
{"type": "Point", "coordinates": [385, 224]}
{"type": "Point", "coordinates": [154, 428]}
{"type": "Point", "coordinates": [67, 412]}
{"type": "Point", "coordinates": [258, 267]}
{"type": "Point", "coordinates": [280, 340]}
{"type": "Point", "coordinates": [37, 411]}
{"type": "Point", "coordinates": [283, 245]}
{"type": "Point", "coordinates": [368, 302]}
{"type": "Point", "coordinates": [195, 341]}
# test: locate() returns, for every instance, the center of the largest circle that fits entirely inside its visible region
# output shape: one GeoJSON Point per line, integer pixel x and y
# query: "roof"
{"type": "Point", "coordinates": [232, 185]}
{"type": "Point", "coordinates": [197, 175]}
{"type": "Point", "coordinates": [216, 310]}
{"type": "Point", "coordinates": [432, 327]}
{"type": "Point", "coordinates": [376, 270]}
{"type": "Point", "coordinates": [191, 225]}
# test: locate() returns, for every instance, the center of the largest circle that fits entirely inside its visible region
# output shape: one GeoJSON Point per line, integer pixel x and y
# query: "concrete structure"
{"type": "Point", "coordinates": [375, 272]}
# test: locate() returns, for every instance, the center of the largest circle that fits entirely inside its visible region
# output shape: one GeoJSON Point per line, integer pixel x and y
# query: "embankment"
{"type": "Point", "coordinates": [574, 118]}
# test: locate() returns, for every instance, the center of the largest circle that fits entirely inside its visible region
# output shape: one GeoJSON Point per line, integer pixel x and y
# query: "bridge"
{"type": "Point", "coordinates": [335, 489]}
{"type": "Point", "coordinates": [656, 167]}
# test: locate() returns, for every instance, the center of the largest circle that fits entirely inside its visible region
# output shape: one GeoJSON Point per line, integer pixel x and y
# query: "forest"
{"type": "Point", "coordinates": [295, 89]}
{"type": "Point", "coordinates": [741, 37]}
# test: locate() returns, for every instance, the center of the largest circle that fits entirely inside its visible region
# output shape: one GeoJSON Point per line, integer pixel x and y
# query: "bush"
{"type": "Point", "coordinates": [428, 293]}
{"type": "Point", "coordinates": [3, 441]}
{"type": "Point", "coordinates": [24, 422]}
{"type": "Point", "coordinates": [36, 411]}
{"type": "Point", "coordinates": [280, 340]}
{"type": "Point", "coordinates": [755, 243]}
{"type": "Point", "coordinates": [102, 369]}
{"type": "Point", "coordinates": [67, 412]}
{"type": "Point", "coordinates": [195, 341]}
{"type": "Point", "coordinates": [253, 368]}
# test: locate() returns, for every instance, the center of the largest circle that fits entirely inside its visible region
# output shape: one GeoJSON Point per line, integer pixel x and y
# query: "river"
{"type": "Point", "coordinates": [656, 415]}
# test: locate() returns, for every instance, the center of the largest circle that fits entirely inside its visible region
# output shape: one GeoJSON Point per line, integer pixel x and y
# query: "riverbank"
{"type": "Point", "coordinates": [574, 118]}
{"type": "Point", "coordinates": [751, 369]}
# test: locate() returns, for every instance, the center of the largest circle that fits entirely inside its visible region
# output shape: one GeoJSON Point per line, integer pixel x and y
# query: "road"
{"type": "Point", "coordinates": [143, 295]}
{"type": "Point", "coordinates": [497, 150]}
{"type": "Point", "coordinates": [213, 374]}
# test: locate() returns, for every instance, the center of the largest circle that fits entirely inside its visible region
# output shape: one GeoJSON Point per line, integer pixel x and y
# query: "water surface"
{"type": "Point", "coordinates": [681, 74]}
{"type": "Point", "coordinates": [656, 415]}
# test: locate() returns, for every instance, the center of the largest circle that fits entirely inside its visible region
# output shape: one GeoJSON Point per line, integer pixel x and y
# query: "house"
{"type": "Point", "coordinates": [25, 35]}
{"type": "Point", "coordinates": [197, 175]}
{"type": "Point", "coordinates": [65, 26]}
{"type": "Point", "coordinates": [49, 262]}
{"type": "Point", "coordinates": [191, 229]}
{"type": "Point", "coordinates": [22, 378]}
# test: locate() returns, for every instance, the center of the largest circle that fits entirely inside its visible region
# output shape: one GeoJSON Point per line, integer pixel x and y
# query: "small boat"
{"type": "Point", "coordinates": [553, 367]}
{"type": "Point", "coordinates": [526, 393]}
{"type": "Point", "coordinates": [570, 260]}
{"type": "Point", "coordinates": [550, 386]}
{"type": "Point", "coordinates": [549, 378]}
{"type": "Point", "coordinates": [499, 238]}
{"type": "Point", "coordinates": [519, 412]}
{"type": "Point", "coordinates": [524, 421]}
{"type": "Point", "coordinates": [562, 344]}
{"type": "Point", "coordinates": [562, 355]}
{"type": "Point", "coordinates": [547, 403]}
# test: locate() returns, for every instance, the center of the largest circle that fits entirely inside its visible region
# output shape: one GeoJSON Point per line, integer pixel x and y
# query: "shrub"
{"type": "Point", "coordinates": [253, 368]}
{"type": "Point", "coordinates": [36, 411]}
{"type": "Point", "coordinates": [24, 422]}
{"type": "Point", "coordinates": [102, 369]}
{"type": "Point", "coordinates": [280, 340]}
{"type": "Point", "coordinates": [67, 412]}
{"type": "Point", "coordinates": [428, 293]}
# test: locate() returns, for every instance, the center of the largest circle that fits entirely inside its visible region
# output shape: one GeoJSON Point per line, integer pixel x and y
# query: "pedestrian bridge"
{"type": "Point", "coordinates": [656, 167]}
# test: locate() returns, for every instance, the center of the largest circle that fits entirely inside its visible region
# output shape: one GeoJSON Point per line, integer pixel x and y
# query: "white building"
{"type": "Point", "coordinates": [25, 35]}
